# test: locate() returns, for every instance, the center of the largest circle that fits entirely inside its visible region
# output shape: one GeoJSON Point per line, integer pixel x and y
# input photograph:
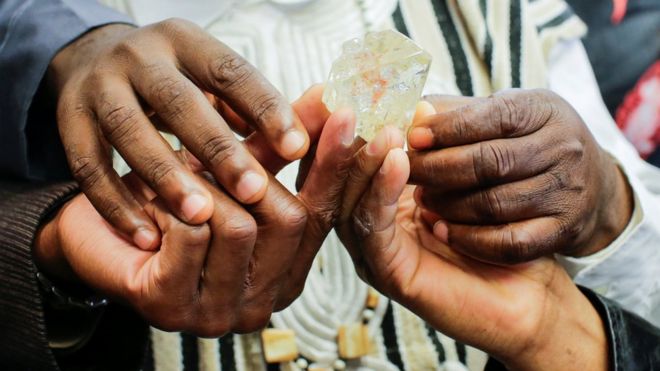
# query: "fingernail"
{"type": "Point", "coordinates": [378, 144]}
{"type": "Point", "coordinates": [422, 110]}
{"type": "Point", "coordinates": [387, 164]}
{"type": "Point", "coordinates": [441, 231]}
{"type": "Point", "coordinates": [347, 132]}
{"type": "Point", "coordinates": [249, 185]}
{"type": "Point", "coordinates": [144, 238]}
{"type": "Point", "coordinates": [420, 137]}
{"type": "Point", "coordinates": [193, 205]}
{"type": "Point", "coordinates": [293, 142]}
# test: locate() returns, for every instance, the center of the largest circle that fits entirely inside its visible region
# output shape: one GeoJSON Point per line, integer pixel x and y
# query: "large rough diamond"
{"type": "Point", "coordinates": [381, 78]}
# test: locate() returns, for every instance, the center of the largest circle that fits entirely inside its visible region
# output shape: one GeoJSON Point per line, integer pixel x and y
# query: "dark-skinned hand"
{"type": "Point", "coordinates": [229, 274]}
{"type": "Point", "coordinates": [117, 85]}
{"type": "Point", "coordinates": [516, 176]}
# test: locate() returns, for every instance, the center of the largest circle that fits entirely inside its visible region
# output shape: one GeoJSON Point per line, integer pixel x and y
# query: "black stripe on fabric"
{"type": "Point", "coordinates": [461, 352]}
{"type": "Point", "coordinates": [390, 338]}
{"type": "Point", "coordinates": [488, 42]}
{"type": "Point", "coordinates": [458, 58]}
{"type": "Point", "coordinates": [227, 359]}
{"type": "Point", "coordinates": [190, 352]}
{"type": "Point", "coordinates": [556, 21]}
{"type": "Point", "coordinates": [515, 41]}
{"type": "Point", "coordinates": [399, 21]}
{"type": "Point", "coordinates": [436, 343]}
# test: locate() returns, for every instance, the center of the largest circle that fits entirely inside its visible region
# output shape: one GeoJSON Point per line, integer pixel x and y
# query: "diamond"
{"type": "Point", "coordinates": [380, 78]}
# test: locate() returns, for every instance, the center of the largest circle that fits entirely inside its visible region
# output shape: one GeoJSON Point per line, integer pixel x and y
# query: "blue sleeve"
{"type": "Point", "coordinates": [31, 33]}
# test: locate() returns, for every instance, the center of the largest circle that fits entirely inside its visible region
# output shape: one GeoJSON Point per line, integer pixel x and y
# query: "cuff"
{"type": "Point", "coordinates": [34, 33]}
{"type": "Point", "coordinates": [22, 326]}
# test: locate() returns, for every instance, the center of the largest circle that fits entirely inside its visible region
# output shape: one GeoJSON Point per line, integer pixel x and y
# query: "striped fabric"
{"type": "Point", "coordinates": [478, 47]}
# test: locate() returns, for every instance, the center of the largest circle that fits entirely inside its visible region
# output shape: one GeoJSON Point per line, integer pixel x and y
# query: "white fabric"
{"type": "Point", "coordinates": [628, 271]}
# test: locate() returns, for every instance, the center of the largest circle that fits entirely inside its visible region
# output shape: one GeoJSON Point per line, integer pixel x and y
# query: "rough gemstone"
{"type": "Point", "coordinates": [380, 78]}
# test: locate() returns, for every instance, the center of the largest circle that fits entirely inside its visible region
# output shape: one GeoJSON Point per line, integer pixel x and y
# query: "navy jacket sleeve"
{"type": "Point", "coordinates": [31, 33]}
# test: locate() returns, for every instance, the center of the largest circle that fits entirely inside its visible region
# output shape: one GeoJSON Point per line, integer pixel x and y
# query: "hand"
{"type": "Point", "coordinates": [228, 275]}
{"type": "Point", "coordinates": [516, 176]}
{"type": "Point", "coordinates": [530, 316]}
{"type": "Point", "coordinates": [117, 85]}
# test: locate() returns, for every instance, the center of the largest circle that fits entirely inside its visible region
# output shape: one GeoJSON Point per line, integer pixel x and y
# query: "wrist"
{"type": "Point", "coordinates": [614, 211]}
{"type": "Point", "coordinates": [70, 59]}
{"type": "Point", "coordinates": [47, 250]}
{"type": "Point", "coordinates": [572, 337]}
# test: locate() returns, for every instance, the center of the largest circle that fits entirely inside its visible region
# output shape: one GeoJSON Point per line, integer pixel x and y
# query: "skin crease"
{"type": "Point", "coordinates": [516, 176]}
{"type": "Point", "coordinates": [117, 84]}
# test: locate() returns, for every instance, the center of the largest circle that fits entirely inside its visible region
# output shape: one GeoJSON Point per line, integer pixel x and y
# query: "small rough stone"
{"type": "Point", "coordinates": [380, 78]}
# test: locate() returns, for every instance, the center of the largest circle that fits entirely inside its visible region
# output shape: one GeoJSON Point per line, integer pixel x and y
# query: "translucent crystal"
{"type": "Point", "coordinates": [381, 78]}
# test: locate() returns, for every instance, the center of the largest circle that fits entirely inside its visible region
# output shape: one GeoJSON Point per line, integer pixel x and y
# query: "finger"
{"type": "Point", "coordinates": [234, 233]}
{"type": "Point", "coordinates": [482, 164]}
{"type": "Point", "coordinates": [374, 219]}
{"type": "Point", "coordinates": [204, 133]}
{"type": "Point", "coordinates": [177, 267]}
{"type": "Point", "coordinates": [282, 219]}
{"type": "Point", "coordinates": [313, 113]}
{"type": "Point", "coordinates": [367, 161]}
{"type": "Point", "coordinates": [126, 126]}
{"type": "Point", "coordinates": [91, 166]}
{"type": "Point", "coordinates": [510, 243]}
{"type": "Point", "coordinates": [509, 114]}
{"type": "Point", "coordinates": [526, 199]}
{"type": "Point", "coordinates": [221, 71]}
{"type": "Point", "coordinates": [235, 121]}
{"type": "Point", "coordinates": [321, 194]}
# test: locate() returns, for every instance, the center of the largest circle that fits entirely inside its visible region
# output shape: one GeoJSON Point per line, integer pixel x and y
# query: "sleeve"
{"type": "Point", "coordinates": [31, 33]}
{"type": "Point", "coordinates": [625, 271]}
{"type": "Point", "coordinates": [23, 343]}
{"type": "Point", "coordinates": [29, 324]}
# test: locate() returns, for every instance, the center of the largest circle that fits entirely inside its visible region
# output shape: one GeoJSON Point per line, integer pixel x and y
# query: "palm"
{"type": "Point", "coordinates": [441, 285]}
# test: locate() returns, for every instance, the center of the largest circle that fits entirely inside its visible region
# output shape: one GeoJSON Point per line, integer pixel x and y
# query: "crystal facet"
{"type": "Point", "coordinates": [380, 78]}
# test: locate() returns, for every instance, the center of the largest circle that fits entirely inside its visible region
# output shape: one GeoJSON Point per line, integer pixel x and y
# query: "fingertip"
{"type": "Point", "coordinates": [146, 239]}
{"type": "Point", "coordinates": [197, 208]}
{"type": "Point", "coordinates": [420, 137]}
{"type": "Point", "coordinates": [441, 231]}
{"type": "Point", "coordinates": [422, 110]}
{"type": "Point", "coordinates": [251, 187]}
{"type": "Point", "coordinates": [294, 144]}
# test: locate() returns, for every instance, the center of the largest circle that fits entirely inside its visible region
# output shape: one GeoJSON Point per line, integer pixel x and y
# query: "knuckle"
{"type": "Point", "coordinates": [196, 235]}
{"type": "Point", "coordinates": [118, 121]}
{"type": "Point", "coordinates": [492, 207]}
{"type": "Point", "coordinates": [363, 223]}
{"type": "Point", "coordinates": [265, 107]}
{"type": "Point", "coordinates": [293, 216]}
{"type": "Point", "coordinates": [127, 50]}
{"type": "Point", "coordinates": [518, 246]}
{"type": "Point", "coordinates": [505, 112]}
{"type": "Point", "coordinates": [252, 320]}
{"type": "Point", "coordinates": [172, 94]}
{"type": "Point", "coordinates": [230, 71]}
{"type": "Point", "coordinates": [159, 172]}
{"type": "Point", "coordinates": [218, 150]}
{"type": "Point", "coordinates": [496, 161]}
{"type": "Point", "coordinates": [240, 229]}
{"type": "Point", "coordinates": [174, 26]}
{"type": "Point", "coordinates": [87, 171]}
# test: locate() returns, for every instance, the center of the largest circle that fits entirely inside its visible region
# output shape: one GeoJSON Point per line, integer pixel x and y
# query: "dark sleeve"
{"type": "Point", "coordinates": [118, 339]}
{"type": "Point", "coordinates": [31, 33]}
{"type": "Point", "coordinates": [634, 343]}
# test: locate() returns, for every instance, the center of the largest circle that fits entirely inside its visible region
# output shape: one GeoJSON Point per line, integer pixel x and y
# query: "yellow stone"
{"type": "Point", "coordinates": [279, 345]}
{"type": "Point", "coordinates": [372, 298]}
{"type": "Point", "coordinates": [381, 78]}
{"type": "Point", "coordinates": [353, 340]}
